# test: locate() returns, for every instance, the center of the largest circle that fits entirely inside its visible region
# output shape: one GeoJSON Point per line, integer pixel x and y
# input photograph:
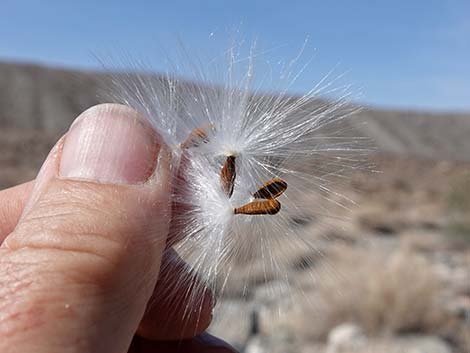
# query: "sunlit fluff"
{"type": "Point", "coordinates": [271, 135]}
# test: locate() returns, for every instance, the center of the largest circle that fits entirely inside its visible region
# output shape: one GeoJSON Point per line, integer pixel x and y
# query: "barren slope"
{"type": "Point", "coordinates": [47, 99]}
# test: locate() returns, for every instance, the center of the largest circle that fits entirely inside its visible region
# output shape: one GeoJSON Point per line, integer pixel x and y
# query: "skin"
{"type": "Point", "coordinates": [80, 264]}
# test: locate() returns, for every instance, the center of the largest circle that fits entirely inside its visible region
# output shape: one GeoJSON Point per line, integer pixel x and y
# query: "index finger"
{"type": "Point", "coordinates": [12, 201]}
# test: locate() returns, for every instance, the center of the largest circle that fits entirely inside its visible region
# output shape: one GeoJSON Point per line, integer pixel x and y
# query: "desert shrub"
{"type": "Point", "coordinates": [458, 206]}
{"type": "Point", "coordinates": [383, 293]}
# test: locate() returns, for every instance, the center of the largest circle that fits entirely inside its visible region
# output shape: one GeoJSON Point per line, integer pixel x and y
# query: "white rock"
{"type": "Point", "coordinates": [232, 322]}
{"type": "Point", "coordinates": [257, 345]}
{"type": "Point", "coordinates": [401, 344]}
{"type": "Point", "coordinates": [424, 344]}
{"type": "Point", "coordinates": [346, 337]}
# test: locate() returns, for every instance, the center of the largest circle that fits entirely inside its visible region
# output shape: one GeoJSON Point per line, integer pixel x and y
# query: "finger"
{"type": "Point", "coordinates": [180, 297]}
{"type": "Point", "coordinates": [190, 309]}
{"type": "Point", "coordinates": [204, 343]}
{"type": "Point", "coordinates": [181, 305]}
{"type": "Point", "coordinates": [12, 202]}
{"type": "Point", "coordinates": [82, 262]}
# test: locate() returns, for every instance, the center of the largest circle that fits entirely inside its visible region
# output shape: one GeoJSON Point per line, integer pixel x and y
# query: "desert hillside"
{"type": "Point", "coordinates": [389, 274]}
{"type": "Point", "coordinates": [46, 99]}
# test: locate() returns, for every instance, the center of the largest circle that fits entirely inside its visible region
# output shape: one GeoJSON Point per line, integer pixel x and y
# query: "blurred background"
{"type": "Point", "coordinates": [393, 274]}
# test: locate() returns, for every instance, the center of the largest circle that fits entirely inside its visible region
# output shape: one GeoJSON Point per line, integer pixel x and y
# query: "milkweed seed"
{"type": "Point", "coordinates": [271, 189]}
{"type": "Point", "coordinates": [263, 207]}
{"type": "Point", "coordinates": [227, 175]}
{"type": "Point", "coordinates": [195, 138]}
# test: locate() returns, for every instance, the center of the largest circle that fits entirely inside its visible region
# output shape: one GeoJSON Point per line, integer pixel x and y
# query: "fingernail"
{"type": "Point", "coordinates": [109, 146]}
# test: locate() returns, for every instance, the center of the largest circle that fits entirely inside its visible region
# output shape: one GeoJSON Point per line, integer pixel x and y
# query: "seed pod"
{"type": "Point", "coordinates": [227, 175]}
{"type": "Point", "coordinates": [259, 208]}
{"type": "Point", "coordinates": [271, 190]}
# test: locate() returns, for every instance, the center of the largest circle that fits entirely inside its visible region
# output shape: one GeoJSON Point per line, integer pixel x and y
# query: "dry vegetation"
{"type": "Point", "coordinates": [458, 201]}
{"type": "Point", "coordinates": [385, 293]}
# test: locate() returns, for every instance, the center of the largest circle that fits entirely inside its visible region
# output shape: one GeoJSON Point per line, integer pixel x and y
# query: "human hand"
{"type": "Point", "coordinates": [82, 245]}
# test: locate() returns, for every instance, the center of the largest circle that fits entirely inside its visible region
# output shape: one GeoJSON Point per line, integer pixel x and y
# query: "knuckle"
{"type": "Point", "coordinates": [69, 213]}
{"type": "Point", "coordinates": [71, 236]}
{"type": "Point", "coordinates": [74, 224]}
{"type": "Point", "coordinates": [62, 264]}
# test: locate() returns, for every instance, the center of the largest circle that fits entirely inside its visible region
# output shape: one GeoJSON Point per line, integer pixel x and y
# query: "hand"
{"type": "Point", "coordinates": [82, 246]}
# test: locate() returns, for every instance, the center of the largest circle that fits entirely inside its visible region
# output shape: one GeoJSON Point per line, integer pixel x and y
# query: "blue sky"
{"type": "Point", "coordinates": [402, 53]}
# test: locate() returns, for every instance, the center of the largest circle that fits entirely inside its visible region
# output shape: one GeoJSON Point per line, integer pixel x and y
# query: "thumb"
{"type": "Point", "coordinates": [80, 266]}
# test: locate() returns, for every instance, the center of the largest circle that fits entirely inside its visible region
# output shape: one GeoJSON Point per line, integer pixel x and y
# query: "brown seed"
{"type": "Point", "coordinates": [195, 138]}
{"type": "Point", "coordinates": [271, 190]}
{"type": "Point", "coordinates": [259, 208]}
{"type": "Point", "coordinates": [227, 175]}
